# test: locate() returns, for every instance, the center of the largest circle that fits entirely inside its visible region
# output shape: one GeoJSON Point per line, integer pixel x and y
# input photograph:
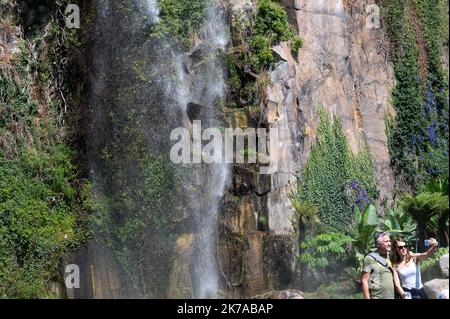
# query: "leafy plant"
{"type": "Point", "coordinates": [330, 168]}
{"type": "Point", "coordinates": [367, 223]}
{"type": "Point", "coordinates": [262, 53]}
{"type": "Point", "coordinates": [418, 136]}
{"type": "Point", "coordinates": [399, 224]}
{"type": "Point", "coordinates": [272, 23]}
{"type": "Point", "coordinates": [41, 207]}
{"type": "Point", "coordinates": [423, 207]}
{"type": "Point", "coordinates": [253, 34]}
{"type": "Point", "coordinates": [434, 259]}
{"type": "Point", "coordinates": [179, 20]}
{"type": "Point", "coordinates": [320, 249]}
{"type": "Point", "coordinates": [353, 275]}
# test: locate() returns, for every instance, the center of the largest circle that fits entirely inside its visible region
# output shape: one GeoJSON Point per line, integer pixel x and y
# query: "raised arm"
{"type": "Point", "coordinates": [423, 256]}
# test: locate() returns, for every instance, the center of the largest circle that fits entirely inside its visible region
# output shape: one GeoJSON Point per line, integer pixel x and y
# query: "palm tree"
{"type": "Point", "coordinates": [426, 205]}
{"type": "Point", "coordinates": [439, 223]}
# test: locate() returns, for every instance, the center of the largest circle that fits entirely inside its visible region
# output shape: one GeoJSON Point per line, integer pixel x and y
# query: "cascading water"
{"type": "Point", "coordinates": [141, 89]}
{"type": "Point", "coordinates": [207, 87]}
{"type": "Point", "coordinates": [204, 85]}
{"type": "Point", "coordinates": [153, 10]}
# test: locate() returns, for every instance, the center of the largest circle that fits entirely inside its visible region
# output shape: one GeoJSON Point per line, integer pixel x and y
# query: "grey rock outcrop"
{"type": "Point", "coordinates": [443, 264]}
{"type": "Point", "coordinates": [437, 288]}
{"type": "Point", "coordinates": [342, 67]}
{"type": "Point", "coordinates": [288, 294]}
{"type": "Point", "coordinates": [9, 42]}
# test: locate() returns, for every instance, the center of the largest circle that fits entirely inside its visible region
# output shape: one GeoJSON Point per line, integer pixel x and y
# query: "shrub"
{"type": "Point", "coordinates": [418, 138]}
{"type": "Point", "coordinates": [40, 207]}
{"type": "Point", "coordinates": [250, 54]}
{"type": "Point", "coordinates": [262, 53]}
{"type": "Point", "coordinates": [434, 259]}
{"type": "Point", "coordinates": [323, 248]}
{"type": "Point", "coordinates": [38, 215]}
{"type": "Point", "coordinates": [329, 169]}
{"type": "Point", "coordinates": [180, 19]}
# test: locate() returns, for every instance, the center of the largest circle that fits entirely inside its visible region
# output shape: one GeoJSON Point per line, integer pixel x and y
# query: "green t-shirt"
{"type": "Point", "coordinates": [381, 282]}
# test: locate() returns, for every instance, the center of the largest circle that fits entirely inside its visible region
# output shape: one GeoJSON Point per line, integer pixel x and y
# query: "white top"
{"type": "Point", "coordinates": [410, 276]}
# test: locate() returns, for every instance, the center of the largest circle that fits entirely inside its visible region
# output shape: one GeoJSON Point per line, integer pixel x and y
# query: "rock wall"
{"type": "Point", "coordinates": [342, 67]}
{"type": "Point", "coordinates": [100, 275]}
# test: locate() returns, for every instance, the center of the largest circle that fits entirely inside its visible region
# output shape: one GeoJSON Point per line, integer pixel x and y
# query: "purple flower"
{"type": "Point", "coordinates": [413, 140]}
{"type": "Point", "coordinates": [419, 138]}
{"type": "Point", "coordinates": [432, 133]}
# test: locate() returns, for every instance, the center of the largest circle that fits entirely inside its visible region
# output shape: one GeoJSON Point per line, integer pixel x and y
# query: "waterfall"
{"type": "Point", "coordinates": [142, 88]}
{"type": "Point", "coordinates": [204, 86]}
{"type": "Point", "coordinates": [153, 10]}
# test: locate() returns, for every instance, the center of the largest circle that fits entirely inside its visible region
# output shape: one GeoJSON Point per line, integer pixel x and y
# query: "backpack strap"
{"type": "Point", "coordinates": [380, 260]}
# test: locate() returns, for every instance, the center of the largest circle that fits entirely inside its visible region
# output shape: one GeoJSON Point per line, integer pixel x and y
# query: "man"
{"type": "Point", "coordinates": [377, 278]}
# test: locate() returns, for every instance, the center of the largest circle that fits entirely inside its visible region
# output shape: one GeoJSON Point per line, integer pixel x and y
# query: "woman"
{"type": "Point", "coordinates": [407, 279]}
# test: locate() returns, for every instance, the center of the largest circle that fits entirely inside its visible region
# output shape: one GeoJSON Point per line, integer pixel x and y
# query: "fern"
{"type": "Point", "coordinates": [321, 248]}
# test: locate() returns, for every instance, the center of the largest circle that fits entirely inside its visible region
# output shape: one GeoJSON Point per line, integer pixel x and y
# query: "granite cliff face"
{"type": "Point", "coordinates": [342, 67]}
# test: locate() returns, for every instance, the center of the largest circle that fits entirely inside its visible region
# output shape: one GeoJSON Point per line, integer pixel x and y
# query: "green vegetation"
{"type": "Point", "coordinates": [16, 106]}
{"type": "Point", "coordinates": [333, 187]}
{"type": "Point", "coordinates": [333, 179]}
{"type": "Point", "coordinates": [250, 56]}
{"type": "Point", "coordinates": [180, 20]}
{"type": "Point", "coordinates": [418, 136]}
{"type": "Point", "coordinates": [41, 202]}
{"type": "Point", "coordinates": [38, 218]}
{"type": "Point", "coordinates": [399, 224]}
{"type": "Point", "coordinates": [135, 201]}
{"type": "Point", "coordinates": [434, 22]}
{"type": "Point", "coordinates": [431, 203]}
{"type": "Point", "coordinates": [320, 249]}
{"type": "Point", "coordinates": [271, 27]}
{"type": "Point", "coordinates": [434, 259]}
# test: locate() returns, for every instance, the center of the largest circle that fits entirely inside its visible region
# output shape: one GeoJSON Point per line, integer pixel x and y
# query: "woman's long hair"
{"type": "Point", "coordinates": [396, 257]}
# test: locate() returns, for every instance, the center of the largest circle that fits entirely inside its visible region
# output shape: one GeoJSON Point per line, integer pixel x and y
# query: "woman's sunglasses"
{"type": "Point", "coordinates": [401, 247]}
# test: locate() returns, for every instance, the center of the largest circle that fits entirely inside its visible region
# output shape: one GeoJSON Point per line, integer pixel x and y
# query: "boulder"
{"type": "Point", "coordinates": [288, 294]}
{"type": "Point", "coordinates": [443, 264]}
{"type": "Point", "coordinates": [9, 42]}
{"type": "Point", "coordinates": [437, 288]}
{"type": "Point", "coordinates": [280, 53]}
